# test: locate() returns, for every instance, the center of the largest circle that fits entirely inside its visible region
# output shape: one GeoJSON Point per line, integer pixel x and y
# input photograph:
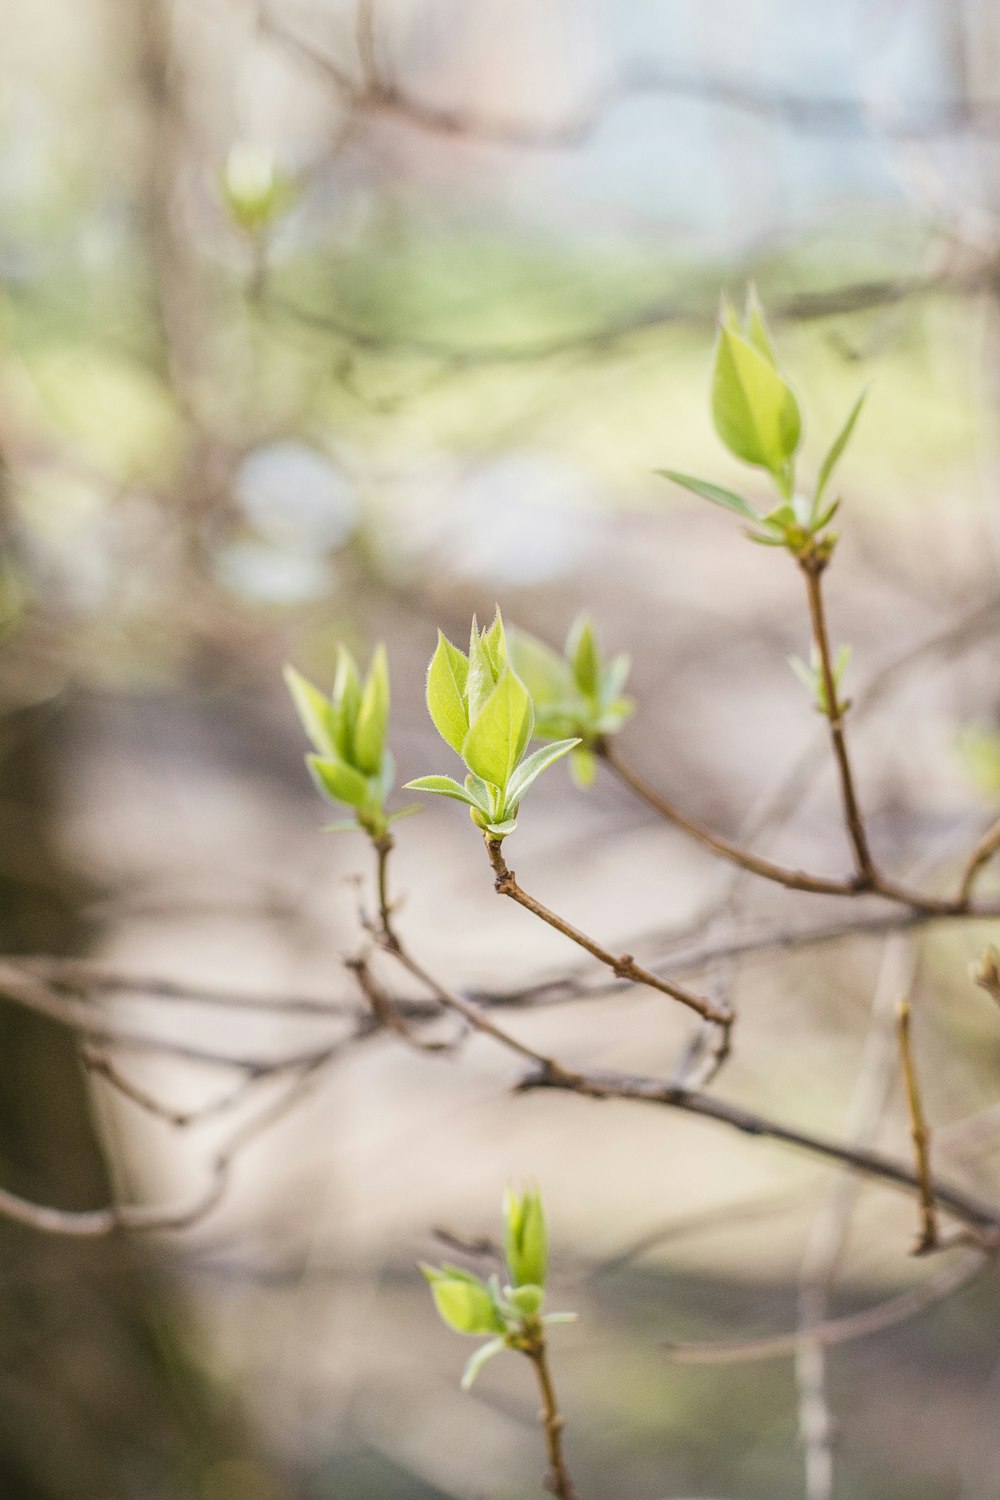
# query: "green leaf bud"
{"type": "Point", "coordinates": [525, 1237]}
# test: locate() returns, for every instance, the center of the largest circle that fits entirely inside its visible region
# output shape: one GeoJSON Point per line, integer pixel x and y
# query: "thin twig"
{"type": "Point", "coordinates": [387, 1013]}
{"type": "Point", "coordinates": [96, 1223]}
{"type": "Point", "coordinates": [928, 1239]}
{"type": "Point", "coordinates": [980, 856]}
{"type": "Point", "coordinates": [828, 1235]}
{"type": "Point", "coordinates": [605, 1084]}
{"type": "Point", "coordinates": [812, 565]}
{"type": "Point", "coordinates": [557, 1480]}
{"type": "Point", "coordinates": [549, 1072]}
{"type": "Point", "coordinates": [623, 966]}
{"type": "Point", "coordinates": [843, 1330]}
{"type": "Point", "coordinates": [796, 880]}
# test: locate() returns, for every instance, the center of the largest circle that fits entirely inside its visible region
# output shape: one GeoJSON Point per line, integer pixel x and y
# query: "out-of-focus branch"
{"type": "Point", "coordinates": [95, 1223]}
{"type": "Point", "coordinates": [918, 1130]}
{"type": "Point", "coordinates": [828, 1235]}
{"type": "Point", "coordinates": [822, 115]}
{"type": "Point", "coordinates": [813, 567]}
{"type": "Point", "coordinates": [832, 1331]}
{"type": "Point", "coordinates": [606, 337]}
{"type": "Point", "coordinates": [979, 857]}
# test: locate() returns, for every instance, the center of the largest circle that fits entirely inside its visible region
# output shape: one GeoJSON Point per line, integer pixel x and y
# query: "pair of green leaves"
{"type": "Point", "coordinates": [351, 764]}
{"type": "Point", "coordinates": [757, 416]}
{"type": "Point", "coordinates": [577, 694]}
{"type": "Point", "coordinates": [511, 1313]}
{"type": "Point", "coordinates": [482, 709]}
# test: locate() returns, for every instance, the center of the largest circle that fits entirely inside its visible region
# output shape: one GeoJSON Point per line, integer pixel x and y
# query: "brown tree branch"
{"type": "Point", "coordinates": [981, 854]}
{"type": "Point", "coordinates": [623, 966]}
{"type": "Point", "coordinates": [796, 880]}
{"type": "Point", "coordinates": [813, 564]}
{"type": "Point", "coordinates": [928, 1239]}
{"type": "Point", "coordinates": [978, 1216]}
{"type": "Point", "coordinates": [842, 1330]}
{"type": "Point", "coordinates": [557, 1480]}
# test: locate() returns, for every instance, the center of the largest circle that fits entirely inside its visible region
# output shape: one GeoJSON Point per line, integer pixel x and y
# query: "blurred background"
{"type": "Point", "coordinates": [437, 371]}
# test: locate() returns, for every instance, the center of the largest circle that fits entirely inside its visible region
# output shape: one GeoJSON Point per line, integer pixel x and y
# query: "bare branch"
{"type": "Point", "coordinates": [622, 966]}
{"type": "Point", "coordinates": [980, 856]}
{"type": "Point", "coordinates": [796, 880]}
{"type": "Point", "coordinates": [843, 1330]}
{"type": "Point", "coordinates": [919, 1131]}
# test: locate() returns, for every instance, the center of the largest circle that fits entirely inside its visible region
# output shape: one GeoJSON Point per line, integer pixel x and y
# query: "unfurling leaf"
{"type": "Point", "coordinates": [713, 492]}
{"type": "Point", "coordinates": [476, 1361]}
{"type": "Point", "coordinates": [833, 457]}
{"type": "Point", "coordinates": [463, 1301]}
{"type": "Point", "coordinates": [526, 1300]}
{"type": "Point", "coordinates": [445, 786]}
{"type": "Point", "coordinates": [583, 767]}
{"type": "Point", "coordinates": [545, 673]}
{"type": "Point", "coordinates": [347, 698]}
{"type": "Point", "coordinates": [534, 765]}
{"type": "Point", "coordinates": [338, 780]}
{"type": "Point", "coordinates": [756, 414]}
{"type": "Point", "coordinates": [500, 731]}
{"type": "Point", "coordinates": [317, 714]}
{"type": "Point", "coordinates": [348, 731]}
{"type": "Point", "coordinates": [756, 329]}
{"type": "Point", "coordinates": [583, 656]}
{"type": "Point", "coordinates": [525, 1237]}
{"type": "Point", "coordinates": [482, 677]}
{"type": "Point", "coordinates": [495, 642]}
{"type": "Point", "coordinates": [447, 677]}
{"type": "Point", "coordinates": [373, 716]}
{"type": "Point", "coordinates": [254, 189]}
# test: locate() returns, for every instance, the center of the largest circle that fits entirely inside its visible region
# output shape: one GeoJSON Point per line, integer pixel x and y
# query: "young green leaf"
{"type": "Point", "coordinates": [755, 327]}
{"type": "Point", "coordinates": [447, 676]}
{"type": "Point", "coordinates": [583, 767]}
{"type": "Point", "coordinates": [837, 447]}
{"type": "Point", "coordinates": [404, 812]}
{"type": "Point", "coordinates": [501, 830]}
{"type": "Point", "coordinates": [482, 678]}
{"type": "Point", "coordinates": [805, 674]}
{"type": "Point", "coordinates": [338, 780]}
{"type": "Point", "coordinates": [615, 677]}
{"type": "Point", "coordinates": [476, 1361]}
{"type": "Point", "coordinates": [347, 697]}
{"type": "Point", "coordinates": [463, 1302]}
{"type": "Point", "coordinates": [534, 765]}
{"type": "Point", "coordinates": [544, 673]}
{"type": "Point", "coordinates": [317, 714]}
{"type": "Point", "coordinates": [728, 316]}
{"type": "Point", "coordinates": [500, 732]}
{"type": "Point", "coordinates": [495, 643]}
{"type": "Point", "coordinates": [526, 1300]}
{"type": "Point", "coordinates": [373, 716]}
{"type": "Point", "coordinates": [713, 492]}
{"type": "Point", "coordinates": [486, 796]}
{"type": "Point", "coordinates": [583, 656]}
{"type": "Point", "coordinates": [756, 414]}
{"type": "Point", "coordinates": [525, 1237]}
{"type": "Point", "coordinates": [445, 786]}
